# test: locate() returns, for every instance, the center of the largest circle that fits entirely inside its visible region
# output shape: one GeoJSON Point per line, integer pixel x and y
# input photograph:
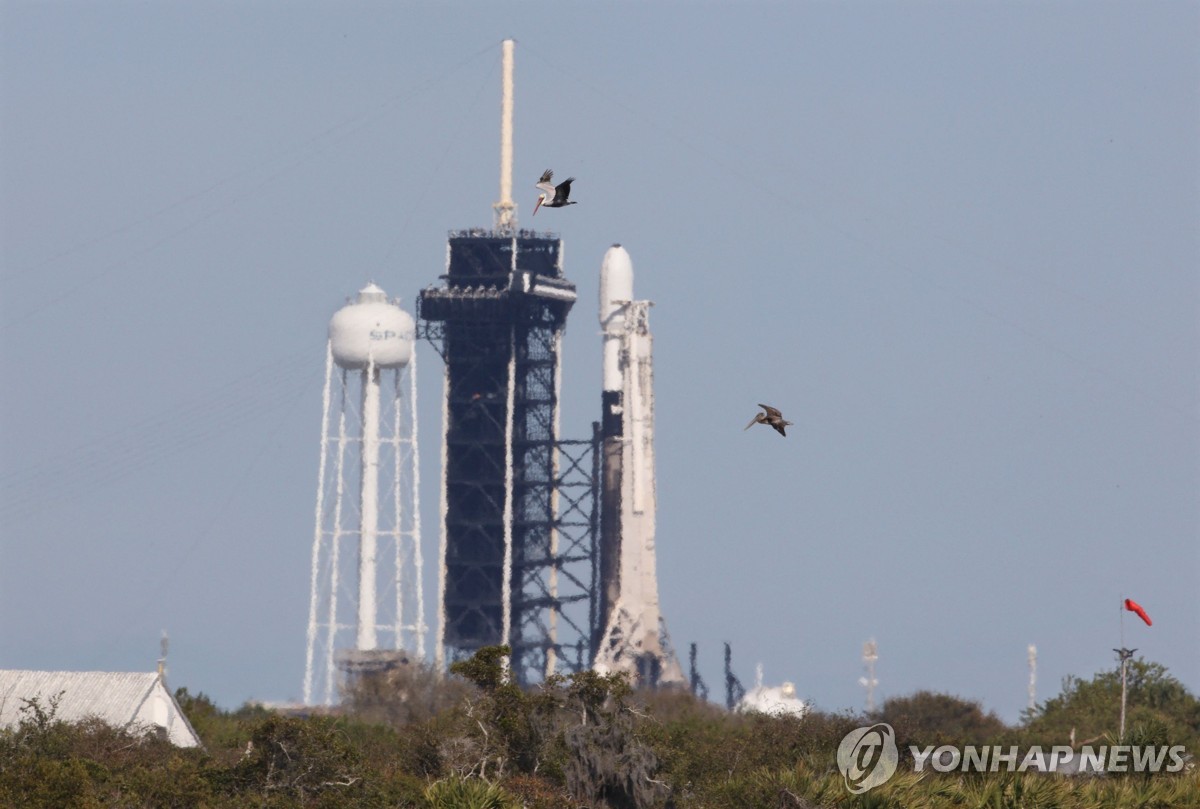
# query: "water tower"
{"type": "Point", "coordinates": [366, 606]}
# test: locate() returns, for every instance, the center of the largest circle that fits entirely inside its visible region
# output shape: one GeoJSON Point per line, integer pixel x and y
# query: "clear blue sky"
{"type": "Point", "coordinates": [956, 243]}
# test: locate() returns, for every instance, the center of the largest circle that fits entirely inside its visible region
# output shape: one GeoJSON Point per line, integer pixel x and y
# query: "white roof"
{"type": "Point", "coordinates": [120, 699]}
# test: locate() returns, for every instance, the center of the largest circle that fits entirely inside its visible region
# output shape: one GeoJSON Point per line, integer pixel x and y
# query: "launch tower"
{"type": "Point", "coordinates": [513, 570]}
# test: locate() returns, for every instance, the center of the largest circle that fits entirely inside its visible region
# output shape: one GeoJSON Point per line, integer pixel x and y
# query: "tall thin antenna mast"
{"type": "Point", "coordinates": [506, 209]}
{"type": "Point", "coordinates": [869, 656]}
{"type": "Point", "coordinates": [162, 660]}
{"type": "Point", "coordinates": [1032, 678]}
{"type": "Point", "coordinates": [1123, 654]}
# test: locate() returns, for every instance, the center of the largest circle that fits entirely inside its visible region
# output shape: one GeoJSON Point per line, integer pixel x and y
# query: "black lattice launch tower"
{"type": "Point", "coordinates": [518, 505]}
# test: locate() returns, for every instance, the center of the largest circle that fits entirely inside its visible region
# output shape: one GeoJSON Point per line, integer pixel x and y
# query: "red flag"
{"type": "Point", "coordinates": [1133, 606]}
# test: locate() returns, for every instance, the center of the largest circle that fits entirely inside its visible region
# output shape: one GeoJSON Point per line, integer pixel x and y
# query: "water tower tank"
{"type": "Point", "coordinates": [371, 328]}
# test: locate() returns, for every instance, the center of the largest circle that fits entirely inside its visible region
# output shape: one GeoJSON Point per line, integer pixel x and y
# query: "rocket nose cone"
{"type": "Point", "coordinates": [617, 255]}
{"type": "Point", "coordinates": [616, 280]}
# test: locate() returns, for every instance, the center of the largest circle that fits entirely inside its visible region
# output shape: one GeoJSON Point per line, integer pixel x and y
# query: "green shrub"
{"type": "Point", "coordinates": [468, 793]}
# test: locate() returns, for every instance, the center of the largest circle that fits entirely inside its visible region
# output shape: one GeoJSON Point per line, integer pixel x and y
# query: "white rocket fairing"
{"type": "Point", "coordinates": [634, 637]}
{"type": "Point", "coordinates": [616, 291]}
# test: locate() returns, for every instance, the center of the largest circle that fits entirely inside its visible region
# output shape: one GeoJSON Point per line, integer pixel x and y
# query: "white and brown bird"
{"type": "Point", "coordinates": [771, 416]}
{"type": "Point", "coordinates": [553, 196]}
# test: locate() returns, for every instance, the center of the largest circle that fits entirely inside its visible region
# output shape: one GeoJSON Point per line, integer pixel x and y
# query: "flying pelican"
{"type": "Point", "coordinates": [553, 196]}
{"type": "Point", "coordinates": [772, 416]}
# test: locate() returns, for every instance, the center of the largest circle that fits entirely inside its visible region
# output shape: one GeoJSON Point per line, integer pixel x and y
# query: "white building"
{"type": "Point", "coordinates": [779, 700]}
{"type": "Point", "coordinates": [129, 700]}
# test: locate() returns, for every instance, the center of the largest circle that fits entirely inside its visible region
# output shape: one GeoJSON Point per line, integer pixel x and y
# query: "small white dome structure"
{"type": "Point", "coordinates": [372, 329]}
{"type": "Point", "coordinates": [778, 700]}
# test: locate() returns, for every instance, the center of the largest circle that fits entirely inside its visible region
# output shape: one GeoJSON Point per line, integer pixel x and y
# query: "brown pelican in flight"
{"type": "Point", "coordinates": [553, 196]}
{"type": "Point", "coordinates": [772, 416]}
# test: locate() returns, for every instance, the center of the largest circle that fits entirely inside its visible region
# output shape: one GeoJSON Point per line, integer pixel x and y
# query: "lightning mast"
{"type": "Point", "coordinates": [505, 208]}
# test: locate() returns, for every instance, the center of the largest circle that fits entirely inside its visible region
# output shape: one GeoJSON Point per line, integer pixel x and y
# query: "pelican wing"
{"type": "Point", "coordinates": [547, 189]}
{"type": "Point", "coordinates": [547, 176]}
{"type": "Point", "coordinates": [771, 411]}
{"type": "Point", "coordinates": [563, 190]}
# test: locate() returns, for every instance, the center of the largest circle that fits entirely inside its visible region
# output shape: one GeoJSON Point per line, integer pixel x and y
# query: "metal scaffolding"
{"type": "Point", "coordinates": [518, 505]}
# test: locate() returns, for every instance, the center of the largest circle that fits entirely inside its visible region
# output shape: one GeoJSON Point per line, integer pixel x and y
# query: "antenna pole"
{"type": "Point", "coordinates": [162, 661]}
{"type": "Point", "coordinates": [1121, 613]}
{"type": "Point", "coordinates": [1124, 654]}
{"type": "Point", "coordinates": [870, 655]}
{"type": "Point", "coordinates": [1032, 678]}
{"type": "Point", "coordinates": [506, 209]}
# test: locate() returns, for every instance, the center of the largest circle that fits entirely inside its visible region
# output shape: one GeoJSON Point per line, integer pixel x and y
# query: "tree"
{"type": "Point", "coordinates": [508, 737]}
{"type": "Point", "coordinates": [297, 758]}
{"type": "Point", "coordinates": [411, 693]}
{"type": "Point", "coordinates": [1160, 709]}
{"type": "Point", "coordinates": [577, 728]}
{"type": "Point", "coordinates": [932, 717]}
{"type": "Point", "coordinates": [606, 763]}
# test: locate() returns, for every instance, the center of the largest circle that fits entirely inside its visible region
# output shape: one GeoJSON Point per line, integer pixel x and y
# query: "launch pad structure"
{"type": "Point", "coordinates": [632, 637]}
{"type": "Point", "coordinates": [519, 507]}
{"type": "Point", "coordinates": [514, 571]}
{"type": "Point", "coordinates": [547, 545]}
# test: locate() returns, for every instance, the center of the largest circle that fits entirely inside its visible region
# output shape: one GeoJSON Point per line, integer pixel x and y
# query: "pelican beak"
{"type": "Point", "coordinates": [538, 205]}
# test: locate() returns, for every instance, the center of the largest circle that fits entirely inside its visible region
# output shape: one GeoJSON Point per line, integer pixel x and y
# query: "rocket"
{"type": "Point", "coordinates": [632, 635]}
{"type": "Point", "coordinates": [616, 292]}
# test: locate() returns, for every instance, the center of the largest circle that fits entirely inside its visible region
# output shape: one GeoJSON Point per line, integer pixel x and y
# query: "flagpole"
{"type": "Point", "coordinates": [1124, 654]}
{"type": "Point", "coordinates": [1121, 735]}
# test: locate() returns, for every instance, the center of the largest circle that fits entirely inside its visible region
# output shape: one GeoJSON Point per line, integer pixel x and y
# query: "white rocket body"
{"type": "Point", "coordinates": [616, 290]}
{"type": "Point", "coordinates": [633, 638]}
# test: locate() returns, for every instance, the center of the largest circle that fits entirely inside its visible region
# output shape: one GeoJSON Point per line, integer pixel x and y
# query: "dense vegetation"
{"type": "Point", "coordinates": [410, 739]}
